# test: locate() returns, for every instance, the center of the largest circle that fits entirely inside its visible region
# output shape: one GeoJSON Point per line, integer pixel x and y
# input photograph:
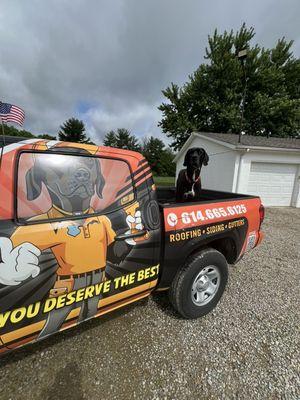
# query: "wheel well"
{"type": "Point", "coordinates": [225, 245]}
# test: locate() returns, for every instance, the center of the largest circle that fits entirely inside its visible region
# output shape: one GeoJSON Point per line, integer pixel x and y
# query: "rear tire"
{"type": "Point", "coordinates": [199, 284]}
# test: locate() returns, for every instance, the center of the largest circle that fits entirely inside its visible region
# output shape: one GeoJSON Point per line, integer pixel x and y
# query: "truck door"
{"type": "Point", "coordinates": [82, 246]}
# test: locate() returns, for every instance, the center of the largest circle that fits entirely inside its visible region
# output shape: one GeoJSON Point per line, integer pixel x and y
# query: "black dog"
{"type": "Point", "coordinates": [188, 185]}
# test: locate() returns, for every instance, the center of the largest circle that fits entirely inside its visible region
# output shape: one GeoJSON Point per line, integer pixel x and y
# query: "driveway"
{"type": "Point", "coordinates": [247, 348]}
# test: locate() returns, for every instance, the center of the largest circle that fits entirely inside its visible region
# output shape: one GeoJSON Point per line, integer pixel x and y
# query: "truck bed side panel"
{"type": "Point", "coordinates": [191, 226]}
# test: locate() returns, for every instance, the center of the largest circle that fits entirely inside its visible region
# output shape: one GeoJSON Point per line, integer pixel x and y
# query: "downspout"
{"type": "Point", "coordinates": [238, 179]}
{"type": "Point", "coordinates": [295, 201]}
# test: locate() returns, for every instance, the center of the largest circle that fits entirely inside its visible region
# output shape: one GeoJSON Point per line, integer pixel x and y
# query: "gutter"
{"type": "Point", "coordinates": [263, 148]}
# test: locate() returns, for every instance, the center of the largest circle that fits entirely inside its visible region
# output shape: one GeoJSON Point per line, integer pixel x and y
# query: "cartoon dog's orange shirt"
{"type": "Point", "coordinates": [77, 248]}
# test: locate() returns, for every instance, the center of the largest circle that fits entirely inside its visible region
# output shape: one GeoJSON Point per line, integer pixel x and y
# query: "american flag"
{"type": "Point", "coordinates": [11, 113]}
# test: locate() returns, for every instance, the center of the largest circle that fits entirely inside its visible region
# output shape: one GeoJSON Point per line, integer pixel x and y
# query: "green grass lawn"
{"type": "Point", "coordinates": [164, 180]}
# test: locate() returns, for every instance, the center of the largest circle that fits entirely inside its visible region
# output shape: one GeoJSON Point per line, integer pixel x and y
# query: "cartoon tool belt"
{"type": "Point", "coordinates": [62, 286]}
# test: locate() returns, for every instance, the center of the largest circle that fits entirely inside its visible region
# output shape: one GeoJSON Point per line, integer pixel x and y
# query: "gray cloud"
{"type": "Point", "coordinates": [106, 62]}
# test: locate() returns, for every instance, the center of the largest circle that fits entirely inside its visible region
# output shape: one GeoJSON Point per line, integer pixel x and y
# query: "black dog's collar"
{"type": "Point", "coordinates": [191, 181]}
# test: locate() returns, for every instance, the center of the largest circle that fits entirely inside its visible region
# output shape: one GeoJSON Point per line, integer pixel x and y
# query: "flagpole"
{"type": "Point", "coordinates": [3, 144]}
{"type": "Point", "coordinates": [13, 114]}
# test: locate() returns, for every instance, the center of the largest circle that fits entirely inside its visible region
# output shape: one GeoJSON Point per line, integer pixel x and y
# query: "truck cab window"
{"type": "Point", "coordinates": [57, 185]}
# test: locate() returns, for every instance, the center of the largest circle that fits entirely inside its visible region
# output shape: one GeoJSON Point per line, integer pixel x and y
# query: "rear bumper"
{"type": "Point", "coordinates": [260, 237]}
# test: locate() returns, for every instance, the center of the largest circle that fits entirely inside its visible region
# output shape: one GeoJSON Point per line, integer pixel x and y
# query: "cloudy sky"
{"type": "Point", "coordinates": [106, 62]}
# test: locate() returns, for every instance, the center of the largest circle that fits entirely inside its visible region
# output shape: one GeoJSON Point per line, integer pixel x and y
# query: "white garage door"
{"type": "Point", "coordinates": [274, 183]}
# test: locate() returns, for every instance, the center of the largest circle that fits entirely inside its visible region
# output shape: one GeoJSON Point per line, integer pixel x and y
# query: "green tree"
{"type": "Point", "coordinates": [12, 131]}
{"type": "Point", "coordinates": [211, 100]}
{"type": "Point", "coordinates": [159, 158]}
{"type": "Point", "coordinates": [73, 130]}
{"type": "Point", "coordinates": [168, 167]}
{"type": "Point", "coordinates": [47, 137]}
{"type": "Point", "coordinates": [121, 139]}
{"type": "Point", "coordinates": [110, 139]}
{"type": "Point", "coordinates": [152, 150]}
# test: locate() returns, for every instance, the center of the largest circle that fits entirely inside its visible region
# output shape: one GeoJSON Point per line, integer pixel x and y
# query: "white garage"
{"type": "Point", "coordinates": [268, 167]}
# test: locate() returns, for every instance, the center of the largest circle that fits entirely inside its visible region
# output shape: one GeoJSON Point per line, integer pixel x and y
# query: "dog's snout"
{"type": "Point", "coordinates": [82, 175]}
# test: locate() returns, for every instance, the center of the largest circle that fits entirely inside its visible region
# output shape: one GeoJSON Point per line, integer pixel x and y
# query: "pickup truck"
{"type": "Point", "coordinates": [84, 231]}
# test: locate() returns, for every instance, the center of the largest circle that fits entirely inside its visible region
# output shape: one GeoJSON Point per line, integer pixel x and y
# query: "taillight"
{"type": "Point", "coordinates": [261, 215]}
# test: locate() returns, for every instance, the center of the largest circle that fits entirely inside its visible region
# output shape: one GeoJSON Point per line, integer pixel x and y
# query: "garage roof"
{"type": "Point", "coordinates": [259, 141]}
{"type": "Point", "coordinates": [247, 141]}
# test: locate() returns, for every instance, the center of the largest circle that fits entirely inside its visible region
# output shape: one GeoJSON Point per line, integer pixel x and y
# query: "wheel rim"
{"type": "Point", "coordinates": [205, 285]}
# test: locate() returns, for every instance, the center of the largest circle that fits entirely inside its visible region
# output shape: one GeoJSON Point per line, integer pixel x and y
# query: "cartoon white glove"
{"type": "Point", "coordinates": [18, 263]}
{"type": "Point", "coordinates": [134, 223]}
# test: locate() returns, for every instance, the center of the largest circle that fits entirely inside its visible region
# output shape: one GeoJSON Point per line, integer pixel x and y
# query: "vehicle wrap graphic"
{"type": "Point", "coordinates": [193, 215]}
{"type": "Point", "coordinates": [205, 231]}
{"type": "Point", "coordinates": [191, 225]}
{"type": "Point", "coordinates": [64, 220]}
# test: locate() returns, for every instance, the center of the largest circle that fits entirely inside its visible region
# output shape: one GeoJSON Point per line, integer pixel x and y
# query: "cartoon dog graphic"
{"type": "Point", "coordinates": [79, 246]}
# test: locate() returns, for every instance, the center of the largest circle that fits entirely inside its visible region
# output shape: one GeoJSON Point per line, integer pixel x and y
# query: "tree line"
{"type": "Point", "coordinates": [72, 130]}
{"type": "Point", "coordinates": [10, 130]}
{"type": "Point", "coordinates": [159, 156]}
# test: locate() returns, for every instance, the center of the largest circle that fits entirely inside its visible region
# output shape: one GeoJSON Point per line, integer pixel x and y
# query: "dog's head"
{"type": "Point", "coordinates": [71, 180]}
{"type": "Point", "coordinates": [195, 158]}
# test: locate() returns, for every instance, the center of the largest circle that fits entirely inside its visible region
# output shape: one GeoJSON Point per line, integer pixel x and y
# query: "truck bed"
{"type": "Point", "coordinates": [220, 220]}
{"type": "Point", "coordinates": [167, 196]}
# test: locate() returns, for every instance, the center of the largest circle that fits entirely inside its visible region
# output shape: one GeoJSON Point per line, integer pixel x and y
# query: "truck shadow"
{"type": "Point", "coordinates": [67, 384]}
{"type": "Point", "coordinates": [16, 355]}
{"type": "Point", "coordinates": [161, 299]}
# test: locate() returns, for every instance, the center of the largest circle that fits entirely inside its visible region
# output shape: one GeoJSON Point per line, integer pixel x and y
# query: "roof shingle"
{"type": "Point", "coordinates": [259, 141]}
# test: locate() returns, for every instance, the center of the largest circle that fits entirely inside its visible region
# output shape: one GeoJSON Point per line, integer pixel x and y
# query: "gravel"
{"type": "Point", "coordinates": [247, 348]}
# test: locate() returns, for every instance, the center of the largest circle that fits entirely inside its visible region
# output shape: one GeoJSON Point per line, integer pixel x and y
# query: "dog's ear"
{"type": "Point", "coordinates": [34, 180]}
{"type": "Point", "coordinates": [205, 157]}
{"type": "Point", "coordinates": [186, 157]}
{"type": "Point", "coordinates": [100, 182]}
